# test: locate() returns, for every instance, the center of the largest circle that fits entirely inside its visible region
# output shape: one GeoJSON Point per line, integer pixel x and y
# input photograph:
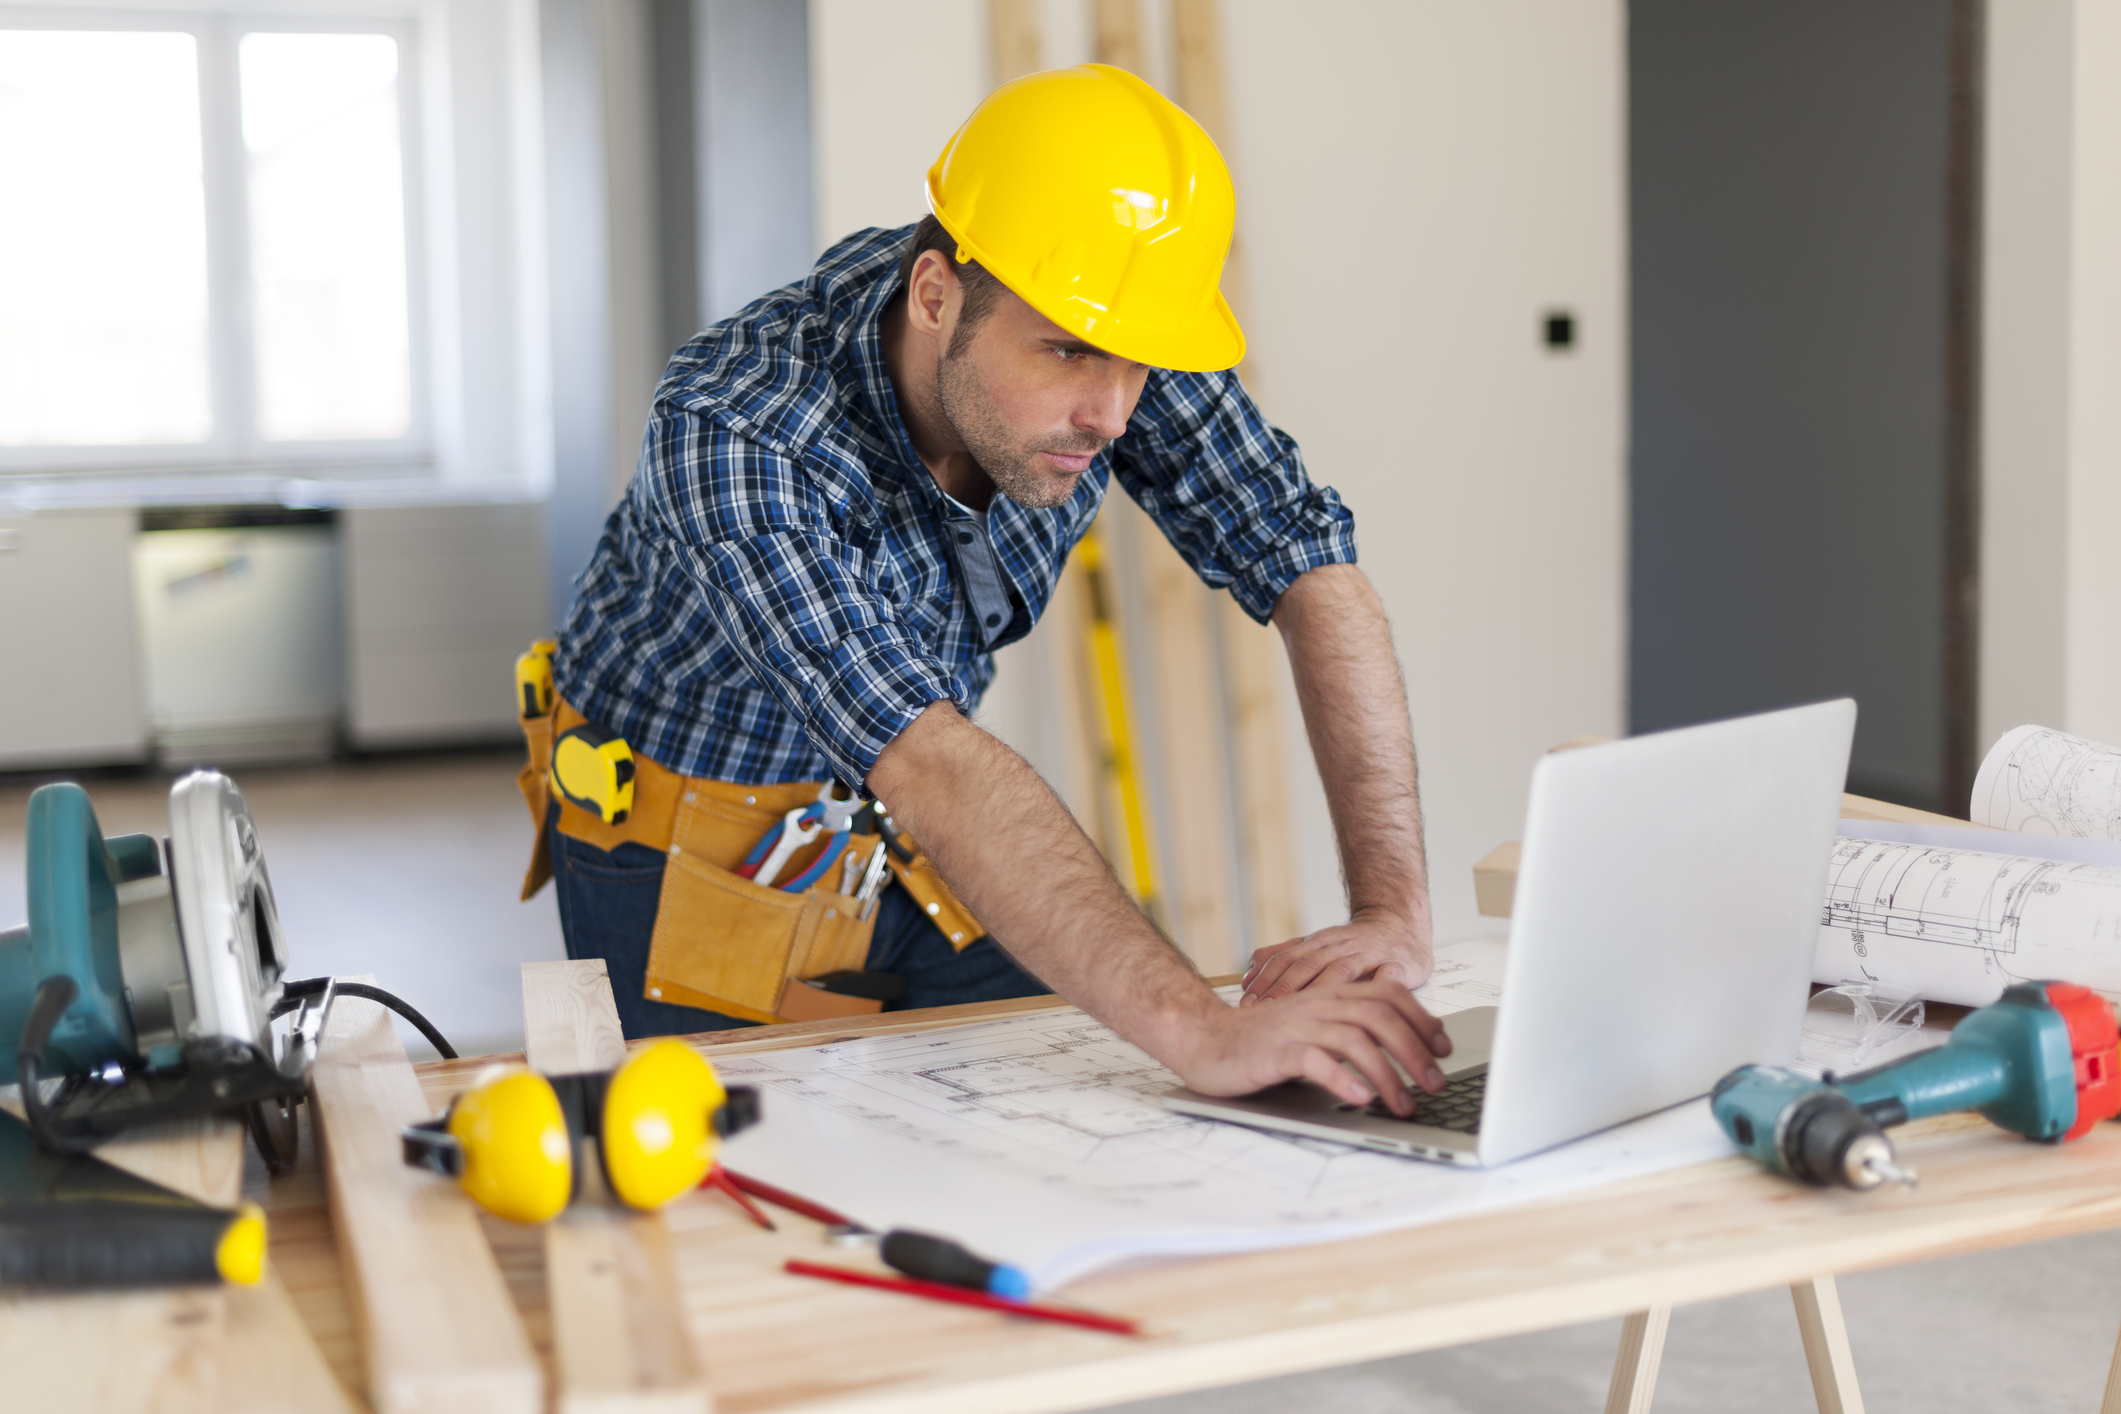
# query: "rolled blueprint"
{"type": "Point", "coordinates": [1960, 925]}
{"type": "Point", "coordinates": [2039, 781]}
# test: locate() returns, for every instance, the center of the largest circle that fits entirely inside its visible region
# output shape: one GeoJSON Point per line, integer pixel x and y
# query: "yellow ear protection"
{"type": "Point", "coordinates": [657, 1120]}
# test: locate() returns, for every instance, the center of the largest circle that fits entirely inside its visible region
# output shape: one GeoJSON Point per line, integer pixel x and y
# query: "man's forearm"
{"type": "Point", "coordinates": [1355, 713]}
{"type": "Point", "coordinates": [1016, 857]}
{"type": "Point", "coordinates": [1023, 866]}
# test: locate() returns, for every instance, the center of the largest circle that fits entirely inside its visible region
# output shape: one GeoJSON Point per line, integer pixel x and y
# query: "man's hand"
{"type": "Point", "coordinates": [1376, 945]}
{"type": "Point", "coordinates": [1317, 1036]}
{"type": "Point", "coordinates": [981, 812]}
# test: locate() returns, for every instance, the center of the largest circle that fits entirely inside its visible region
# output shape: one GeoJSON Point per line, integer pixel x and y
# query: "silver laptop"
{"type": "Point", "coordinates": [1666, 914]}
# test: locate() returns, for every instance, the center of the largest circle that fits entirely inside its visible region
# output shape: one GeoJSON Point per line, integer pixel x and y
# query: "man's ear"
{"type": "Point", "coordinates": [932, 292]}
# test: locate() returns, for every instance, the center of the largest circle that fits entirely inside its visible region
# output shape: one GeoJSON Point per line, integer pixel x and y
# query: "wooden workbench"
{"type": "Point", "coordinates": [769, 1341]}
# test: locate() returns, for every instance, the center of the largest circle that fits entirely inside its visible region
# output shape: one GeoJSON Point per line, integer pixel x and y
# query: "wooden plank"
{"type": "Point", "coordinates": [154, 1352]}
{"type": "Point", "coordinates": [1635, 1365]}
{"type": "Point", "coordinates": [618, 1316]}
{"type": "Point", "coordinates": [570, 1020]}
{"type": "Point", "coordinates": [1495, 878]}
{"type": "Point", "coordinates": [233, 1348]}
{"type": "Point", "coordinates": [1254, 670]}
{"type": "Point", "coordinates": [1858, 807]}
{"type": "Point", "coordinates": [1201, 897]}
{"type": "Point", "coordinates": [1826, 1346]}
{"type": "Point", "coordinates": [1013, 26]}
{"type": "Point", "coordinates": [439, 1331]}
{"type": "Point", "coordinates": [274, 1362]}
{"type": "Point", "coordinates": [1253, 664]}
{"type": "Point", "coordinates": [1117, 27]}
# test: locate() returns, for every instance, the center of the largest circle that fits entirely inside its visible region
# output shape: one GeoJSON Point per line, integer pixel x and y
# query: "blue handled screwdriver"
{"type": "Point", "coordinates": [930, 1258]}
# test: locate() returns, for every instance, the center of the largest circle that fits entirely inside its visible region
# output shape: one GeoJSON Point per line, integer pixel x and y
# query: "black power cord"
{"type": "Point", "coordinates": [292, 993]}
{"type": "Point", "coordinates": [54, 995]}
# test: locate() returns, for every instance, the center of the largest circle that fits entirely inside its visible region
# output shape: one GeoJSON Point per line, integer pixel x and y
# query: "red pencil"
{"type": "Point", "coordinates": [964, 1296]}
{"type": "Point", "coordinates": [781, 1197]}
{"type": "Point", "coordinates": [720, 1178]}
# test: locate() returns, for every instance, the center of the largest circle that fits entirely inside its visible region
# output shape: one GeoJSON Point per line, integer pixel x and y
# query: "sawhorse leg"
{"type": "Point", "coordinates": [1826, 1352]}
{"type": "Point", "coordinates": [2111, 1404]}
{"type": "Point", "coordinates": [1635, 1367]}
{"type": "Point", "coordinates": [1826, 1346]}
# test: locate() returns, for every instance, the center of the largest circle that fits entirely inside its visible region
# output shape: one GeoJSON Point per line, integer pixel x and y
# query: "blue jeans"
{"type": "Point", "coordinates": [608, 901]}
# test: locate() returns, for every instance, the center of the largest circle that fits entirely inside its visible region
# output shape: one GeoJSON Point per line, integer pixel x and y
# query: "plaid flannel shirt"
{"type": "Point", "coordinates": [776, 597]}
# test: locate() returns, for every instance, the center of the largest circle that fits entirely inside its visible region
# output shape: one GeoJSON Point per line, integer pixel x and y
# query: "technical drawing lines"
{"type": "Point", "coordinates": [1958, 925]}
{"type": "Point", "coordinates": [2040, 781]}
{"type": "Point", "coordinates": [1064, 1101]}
{"type": "Point", "coordinates": [1937, 895]}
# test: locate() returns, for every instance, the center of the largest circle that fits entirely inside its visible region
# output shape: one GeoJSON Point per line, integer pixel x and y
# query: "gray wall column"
{"type": "Point", "coordinates": [570, 42]}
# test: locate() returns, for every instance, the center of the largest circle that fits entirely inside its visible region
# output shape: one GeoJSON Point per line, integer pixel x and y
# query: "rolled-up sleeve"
{"type": "Point", "coordinates": [1229, 489]}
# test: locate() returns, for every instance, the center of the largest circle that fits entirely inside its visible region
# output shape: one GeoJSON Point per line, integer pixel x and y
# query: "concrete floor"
{"type": "Point", "coordinates": [408, 867]}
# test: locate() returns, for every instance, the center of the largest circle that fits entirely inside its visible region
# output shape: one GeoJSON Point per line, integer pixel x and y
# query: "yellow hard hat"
{"type": "Point", "coordinates": [1104, 206]}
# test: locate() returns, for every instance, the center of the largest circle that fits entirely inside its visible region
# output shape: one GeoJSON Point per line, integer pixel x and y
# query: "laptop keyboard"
{"type": "Point", "coordinates": [1456, 1109]}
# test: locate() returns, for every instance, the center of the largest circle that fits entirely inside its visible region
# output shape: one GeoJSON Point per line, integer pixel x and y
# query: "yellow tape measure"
{"type": "Point", "coordinates": [595, 772]}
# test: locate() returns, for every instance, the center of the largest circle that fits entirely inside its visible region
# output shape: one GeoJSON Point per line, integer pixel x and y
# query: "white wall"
{"type": "Point", "coordinates": [888, 85]}
{"type": "Point", "coordinates": [2051, 423]}
{"type": "Point", "coordinates": [1417, 183]}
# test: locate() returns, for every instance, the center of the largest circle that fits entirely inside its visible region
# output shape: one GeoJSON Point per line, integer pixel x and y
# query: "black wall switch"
{"type": "Point", "coordinates": [1560, 329]}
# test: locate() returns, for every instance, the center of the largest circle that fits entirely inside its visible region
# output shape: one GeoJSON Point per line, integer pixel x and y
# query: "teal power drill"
{"type": "Point", "coordinates": [2041, 1062]}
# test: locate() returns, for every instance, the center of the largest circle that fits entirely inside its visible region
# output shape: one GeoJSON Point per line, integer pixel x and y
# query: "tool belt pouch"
{"type": "Point", "coordinates": [727, 944]}
{"type": "Point", "coordinates": [534, 780]}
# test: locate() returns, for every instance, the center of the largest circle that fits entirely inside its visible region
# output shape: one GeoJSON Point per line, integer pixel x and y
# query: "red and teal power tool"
{"type": "Point", "coordinates": [2041, 1062]}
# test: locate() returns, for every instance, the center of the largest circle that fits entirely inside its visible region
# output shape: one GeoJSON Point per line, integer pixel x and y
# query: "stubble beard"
{"type": "Point", "coordinates": [1014, 468]}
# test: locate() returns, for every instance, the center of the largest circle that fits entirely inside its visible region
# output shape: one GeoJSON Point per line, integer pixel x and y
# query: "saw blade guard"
{"type": "Point", "coordinates": [234, 949]}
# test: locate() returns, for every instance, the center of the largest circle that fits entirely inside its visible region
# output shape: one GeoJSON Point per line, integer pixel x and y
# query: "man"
{"type": "Point", "coordinates": [812, 566]}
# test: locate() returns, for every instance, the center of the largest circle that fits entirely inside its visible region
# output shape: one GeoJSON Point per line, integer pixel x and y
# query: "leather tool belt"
{"type": "Point", "coordinates": [721, 941]}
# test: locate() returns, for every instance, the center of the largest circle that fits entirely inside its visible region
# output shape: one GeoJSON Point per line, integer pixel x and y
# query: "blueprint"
{"type": "Point", "coordinates": [1039, 1140]}
{"type": "Point", "coordinates": [2044, 782]}
{"type": "Point", "coordinates": [1960, 925]}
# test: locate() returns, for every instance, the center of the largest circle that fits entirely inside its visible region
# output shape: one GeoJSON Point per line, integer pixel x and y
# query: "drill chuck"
{"type": "Point", "coordinates": [1828, 1139]}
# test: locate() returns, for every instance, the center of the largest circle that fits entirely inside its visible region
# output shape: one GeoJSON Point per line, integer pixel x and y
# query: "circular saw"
{"type": "Point", "coordinates": [149, 979]}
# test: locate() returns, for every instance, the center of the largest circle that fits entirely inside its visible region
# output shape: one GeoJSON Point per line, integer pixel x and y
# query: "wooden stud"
{"type": "Point", "coordinates": [1185, 730]}
{"type": "Point", "coordinates": [1254, 669]}
{"type": "Point", "coordinates": [1119, 34]}
{"type": "Point", "coordinates": [1635, 1366]}
{"type": "Point", "coordinates": [618, 1316]}
{"type": "Point", "coordinates": [1826, 1346]}
{"type": "Point", "coordinates": [1254, 666]}
{"type": "Point", "coordinates": [439, 1329]}
{"type": "Point", "coordinates": [1013, 27]}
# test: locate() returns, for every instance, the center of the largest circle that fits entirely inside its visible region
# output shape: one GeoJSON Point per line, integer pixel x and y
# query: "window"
{"type": "Point", "coordinates": [205, 260]}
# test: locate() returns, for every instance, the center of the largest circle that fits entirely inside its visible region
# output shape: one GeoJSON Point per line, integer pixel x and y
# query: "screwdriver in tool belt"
{"type": "Point", "coordinates": [872, 883]}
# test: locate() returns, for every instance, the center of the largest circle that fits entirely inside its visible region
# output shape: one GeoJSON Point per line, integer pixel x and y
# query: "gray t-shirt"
{"type": "Point", "coordinates": [984, 584]}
